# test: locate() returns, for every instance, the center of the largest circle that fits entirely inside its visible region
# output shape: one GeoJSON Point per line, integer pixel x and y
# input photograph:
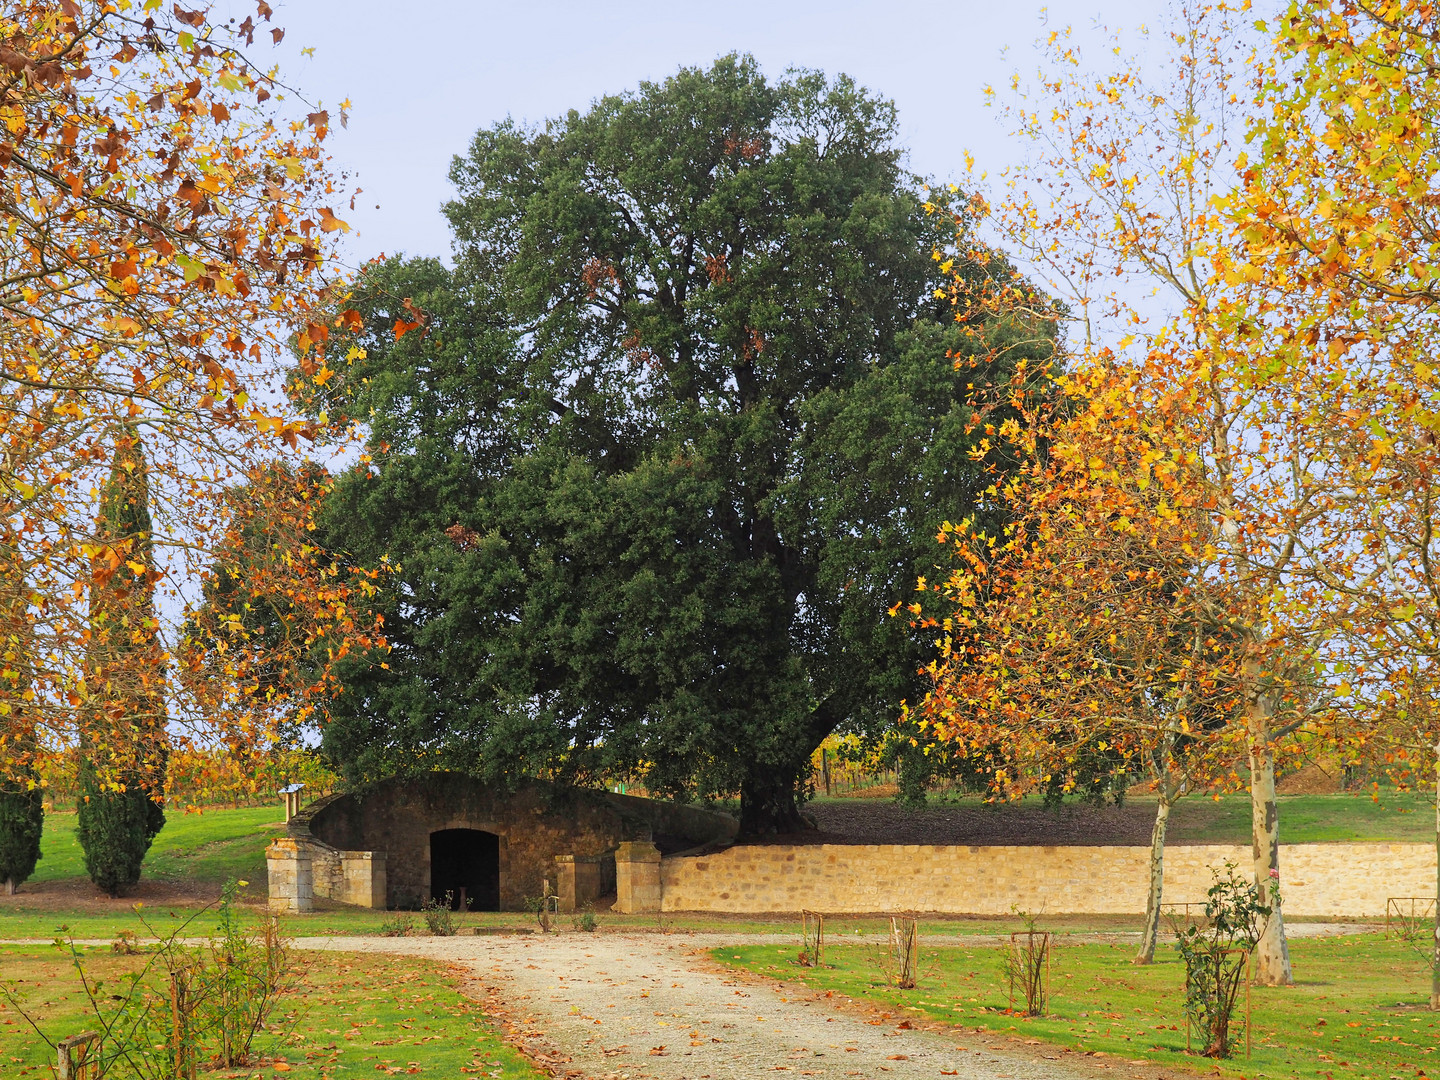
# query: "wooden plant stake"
{"type": "Point", "coordinates": [181, 1046]}
{"type": "Point", "coordinates": [812, 937]}
{"type": "Point", "coordinates": [74, 1061]}
{"type": "Point", "coordinates": [1178, 914]}
{"type": "Point", "coordinates": [1249, 957]}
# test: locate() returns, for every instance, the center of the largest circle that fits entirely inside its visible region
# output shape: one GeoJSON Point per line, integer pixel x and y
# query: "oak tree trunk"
{"type": "Point", "coordinates": [1151, 933]}
{"type": "Point", "coordinates": [770, 803]}
{"type": "Point", "coordinates": [1272, 955]}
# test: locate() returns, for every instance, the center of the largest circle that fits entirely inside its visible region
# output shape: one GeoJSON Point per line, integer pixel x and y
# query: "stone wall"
{"type": "Point", "coordinates": [299, 869]}
{"type": "Point", "coordinates": [1318, 879]}
{"type": "Point", "coordinates": [535, 823]}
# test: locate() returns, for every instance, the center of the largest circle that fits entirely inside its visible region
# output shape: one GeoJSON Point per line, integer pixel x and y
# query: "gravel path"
{"type": "Point", "coordinates": [615, 1006]}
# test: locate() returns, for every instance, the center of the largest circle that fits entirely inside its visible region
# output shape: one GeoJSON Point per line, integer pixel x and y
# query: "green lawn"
{"type": "Point", "coordinates": [21, 923]}
{"type": "Point", "coordinates": [1359, 1007]}
{"type": "Point", "coordinates": [355, 1016]}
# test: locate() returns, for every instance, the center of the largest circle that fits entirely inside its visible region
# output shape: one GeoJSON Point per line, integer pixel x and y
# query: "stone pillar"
{"type": "Point", "coordinates": [565, 881]}
{"type": "Point", "coordinates": [579, 880]}
{"type": "Point", "coordinates": [292, 881]}
{"type": "Point", "coordinates": [363, 876]}
{"type": "Point", "coordinates": [637, 878]}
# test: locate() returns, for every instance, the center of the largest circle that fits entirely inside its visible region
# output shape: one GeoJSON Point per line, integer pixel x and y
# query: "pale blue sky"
{"type": "Point", "coordinates": [423, 76]}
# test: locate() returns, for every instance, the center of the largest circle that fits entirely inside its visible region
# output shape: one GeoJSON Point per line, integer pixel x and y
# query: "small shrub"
{"type": "Point", "coordinates": [904, 951]}
{"type": "Point", "coordinates": [236, 991]}
{"type": "Point", "coordinates": [125, 943]}
{"type": "Point", "coordinates": [400, 924]}
{"type": "Point", "coordinates": [438, 917]}
{"type": "Point", "coordinates": [1216, 957]}
{"type": "Point", "coordinates": [542, 907]}
{"type": "Point", "coordinates": [185, 1003]}
{"type": "Point", "coordinates": [1419, 929]}
{"type": "Point", "coordinates": [812, 938]}
{"type": "Point", "coordinates": [585, 920]}
{"type": "Point", "coordinates": [1026, 964]}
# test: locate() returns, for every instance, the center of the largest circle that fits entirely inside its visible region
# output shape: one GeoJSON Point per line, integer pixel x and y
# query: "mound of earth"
{"type": "Point", "coordinates": [1028, 823]}
{"type": "Point", "coordinates": [880, 822]}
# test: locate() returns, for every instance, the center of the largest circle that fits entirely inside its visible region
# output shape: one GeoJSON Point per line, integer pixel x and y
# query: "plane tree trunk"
{"type": "Point", "coordinates": [1435, 945]}
{"type": "Point", "coordinates": [1272, 954]}
{"type": "Point", "coordinates": [1151, 933]}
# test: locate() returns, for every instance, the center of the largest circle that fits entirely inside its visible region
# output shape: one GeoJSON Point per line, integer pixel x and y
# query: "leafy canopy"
{"type": "Point", "coordinates": [660, 451]}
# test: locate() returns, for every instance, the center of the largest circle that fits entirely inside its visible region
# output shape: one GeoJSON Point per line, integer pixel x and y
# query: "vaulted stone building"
{"type": "Point", "coordinates": [401, 842]}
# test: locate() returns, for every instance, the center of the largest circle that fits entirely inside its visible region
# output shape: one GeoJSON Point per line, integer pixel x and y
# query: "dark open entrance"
{"type": "Point", "coordinates": [465, 862]}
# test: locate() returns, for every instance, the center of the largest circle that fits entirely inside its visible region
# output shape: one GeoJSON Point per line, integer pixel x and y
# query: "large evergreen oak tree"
{"type": "Point", "coordinates": [660, 451]}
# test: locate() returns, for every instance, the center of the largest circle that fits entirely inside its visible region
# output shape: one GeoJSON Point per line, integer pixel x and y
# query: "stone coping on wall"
{"type": "Point", "coordinates": [1327, 880]}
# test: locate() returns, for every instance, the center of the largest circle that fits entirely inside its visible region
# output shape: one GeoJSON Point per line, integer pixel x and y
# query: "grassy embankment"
{"type": "Point", "coordinates": [352, 1016]}
{"type": "Point", "coordinates": [1359, 1008]}
{"type": "Point", "coordinates": [207, 848]}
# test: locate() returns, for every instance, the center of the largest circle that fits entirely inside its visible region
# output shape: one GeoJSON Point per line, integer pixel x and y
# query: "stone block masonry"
{"type": "Point", "coordinates": [638, 888]}
{"type": "Point", "coordinates": [362, 879]}
{"type": "Point", "coordinates": [1348, 880]}
{"type": "Point", "coordinates": [580, 880]}
{"type": "Point", "coordinates": [291, 877]}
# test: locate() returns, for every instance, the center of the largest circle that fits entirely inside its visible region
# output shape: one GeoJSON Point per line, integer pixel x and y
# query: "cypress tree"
{"type": "Point", "coordinates": [122, 731]}
{"type": "Point", "coordinates": [22, 811]}
{"type": "Point", "coordinates": [22, 815]}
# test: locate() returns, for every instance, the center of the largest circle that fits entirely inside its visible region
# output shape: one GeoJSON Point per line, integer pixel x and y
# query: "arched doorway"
{"type": "Point", "coordinates": [465, 863]}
